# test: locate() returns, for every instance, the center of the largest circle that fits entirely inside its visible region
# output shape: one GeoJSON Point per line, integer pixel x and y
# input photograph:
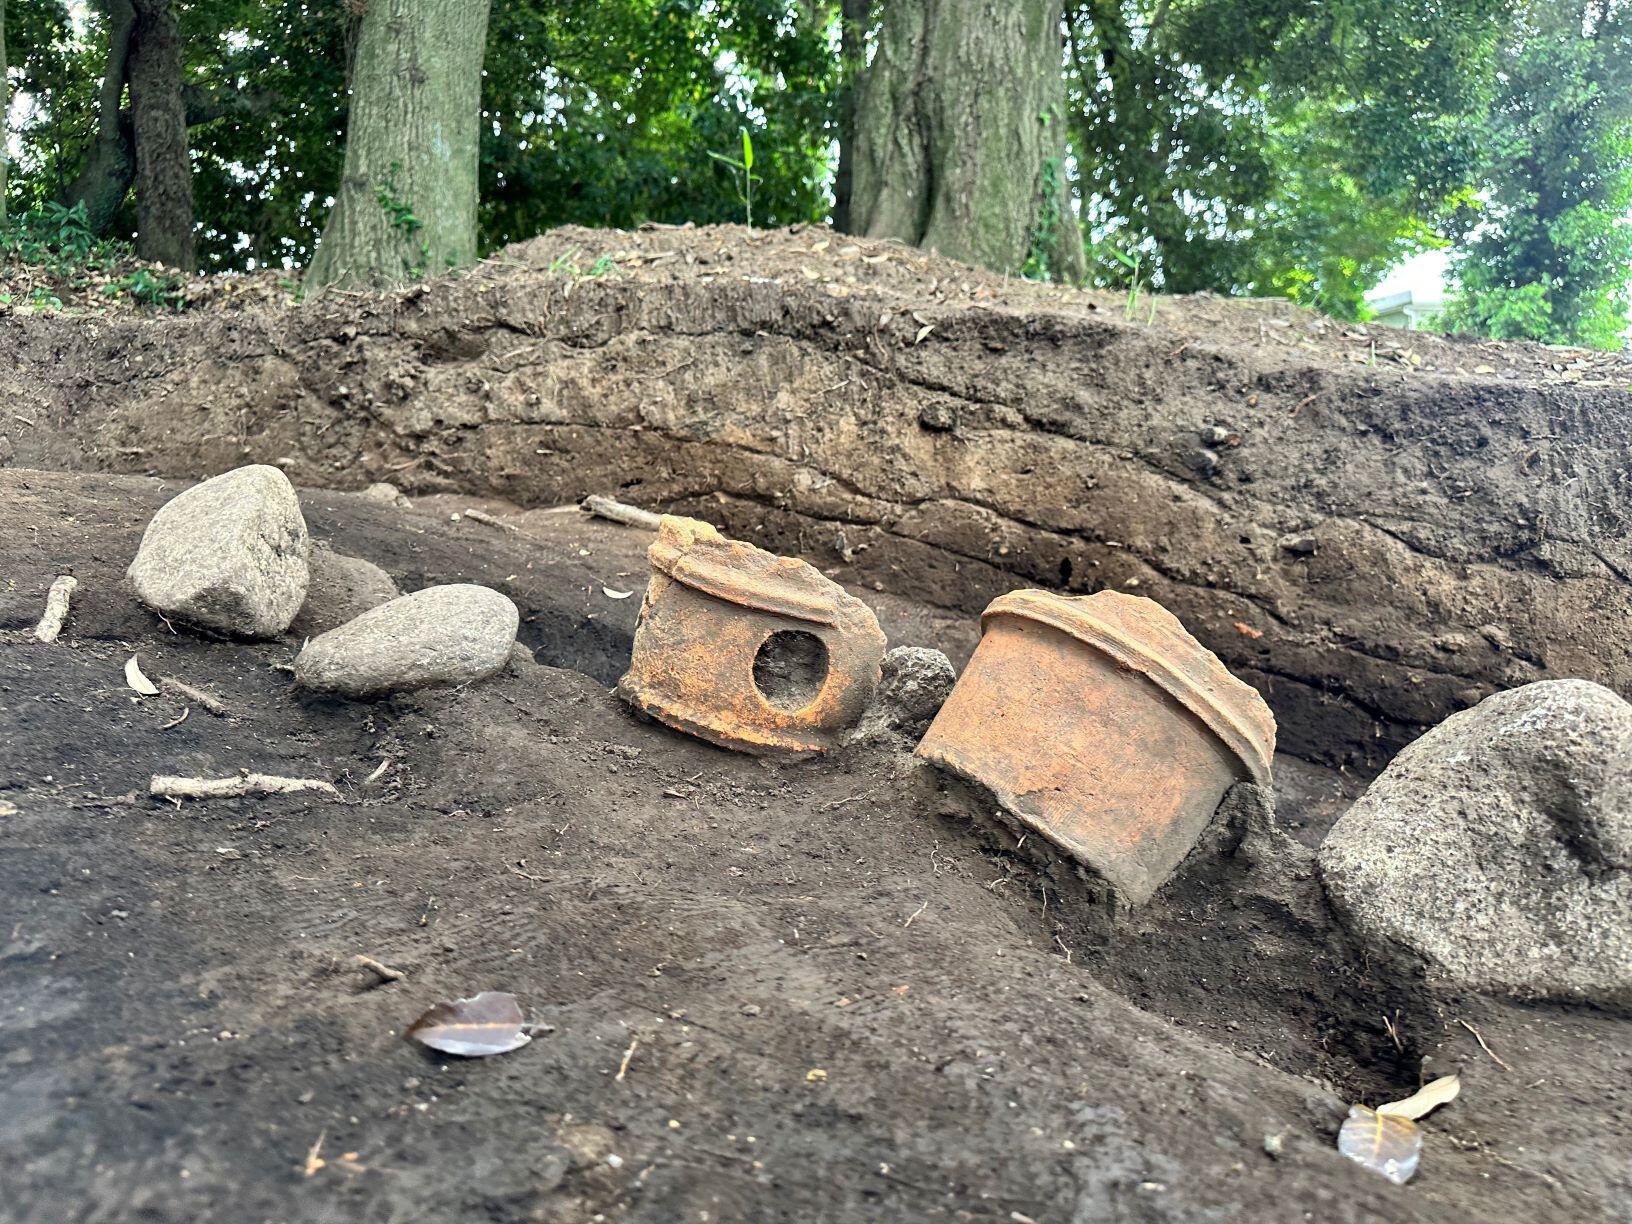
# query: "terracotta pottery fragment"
{"type": "Point", "coordinates": [1099, 722]}
{"type": "Point", "coordinates": [746, 649]}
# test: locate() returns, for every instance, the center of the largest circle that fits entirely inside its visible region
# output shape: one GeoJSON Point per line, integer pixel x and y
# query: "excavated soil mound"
{"type": "Point", "coordinates": [1377, 528]}
{"type": "Point", "coordinates": [766, 990]}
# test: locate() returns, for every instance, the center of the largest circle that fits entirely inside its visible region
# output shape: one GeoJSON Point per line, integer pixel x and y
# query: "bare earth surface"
{"type": "Point", "coordinates": [769, 991]}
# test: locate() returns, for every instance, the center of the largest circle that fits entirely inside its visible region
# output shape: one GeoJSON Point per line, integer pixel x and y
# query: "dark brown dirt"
{"type": "Point", "coordinates": [846, 997]}
{"type": "Point", "coordinates": [1375, 527]}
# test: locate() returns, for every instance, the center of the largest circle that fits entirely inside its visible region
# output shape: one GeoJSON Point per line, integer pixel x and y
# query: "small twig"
{"type": "Point", "coordinates": [383, 766]}
{"type": "Point", "coordinates": [620, 512]}
{"type": "Point", "coordinates": [386, 972]}
{"type": "Point", "coordinates": [1477, 1036]}
{"type": "Point", "coordinates": [1393, 1034]}
{"type": "Point", "coordinates": [838, 803]}
{"type": "Point", "coordinates": [1305, 402]}
{"type": "Point", "coordinates": [176, 722]}
{"type": "Point", "coordinates": [198, 696]}
{"type": "Point", "coordinates": [56, 609]}
{"type": "Point", "coordinates": [168, 786]}
{"type": "Point", "coordinates": [913, 917]}
{"type": "Point", "coordinates": [481, 516]}
{"type": "Point", "coordinates": [623, 1067]}
{"type": "Point", "coordinates": [314, 1162]}
{"type": "Point", "coordinates": [1063, 948]}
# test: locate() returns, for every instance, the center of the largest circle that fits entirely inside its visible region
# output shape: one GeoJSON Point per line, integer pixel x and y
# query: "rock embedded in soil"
{"type": "Point", "coordinates": [441, 636]}
{"type": "Point", "coordinates": [229, 554]}
{"type": "Point", "coordinates": [1498, 847]}
{"type": "Point", "coordinates": [342, 588]}
{"type": "Point", "coordinates": [913, 686]}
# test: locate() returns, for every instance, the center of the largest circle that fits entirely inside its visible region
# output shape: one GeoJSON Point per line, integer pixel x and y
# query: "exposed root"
{"type": "Point", "coordinates": [56, 609]}
{"type": "Point", "coordinates": [187, 692]}
{"type": "Point", "coordinates": [621, 512]}
{"type": "Point", "coordinates": [167, 786]}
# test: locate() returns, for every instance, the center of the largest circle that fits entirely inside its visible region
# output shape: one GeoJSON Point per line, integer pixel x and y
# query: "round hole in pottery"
{"type": "Point", "coordinates": [791, 668]}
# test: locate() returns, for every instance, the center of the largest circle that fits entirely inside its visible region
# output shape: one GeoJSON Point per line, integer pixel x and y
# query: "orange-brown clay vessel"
{"type": "Point", "coordinates": [747, 649]}
{"type": "Point", "coordinates": [1102, 724]}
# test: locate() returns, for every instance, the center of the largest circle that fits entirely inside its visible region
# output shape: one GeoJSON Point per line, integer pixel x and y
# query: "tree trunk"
{"type": "Point", "coordinates": [5, 111]}
{"type": "Point", "coordinates": [164, 171]}
{"type": "Point", "coordinates": [109, 166]}
{"type": "Point", "coordinates": [854, 18]}
{"type": "Point", "coordinates": [959, 139]}
{"type": "Point", "coordinates": [406, 206]}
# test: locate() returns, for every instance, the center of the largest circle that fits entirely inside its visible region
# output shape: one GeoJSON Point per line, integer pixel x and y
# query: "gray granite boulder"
{"type": "Point", "coordinates": [443, 635]}
{"type": "Point", "coordinates": [1497, 848]}
{"type": "Point", "coordinates": [342, 588]}
{"type": "Point", "coordinates": [229, 554]}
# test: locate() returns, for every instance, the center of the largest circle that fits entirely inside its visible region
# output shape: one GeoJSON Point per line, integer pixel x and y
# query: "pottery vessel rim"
{"type": "Point", "coordinates": [1157, 646]}
{"type": "Point", "coordinates": [742, 574]}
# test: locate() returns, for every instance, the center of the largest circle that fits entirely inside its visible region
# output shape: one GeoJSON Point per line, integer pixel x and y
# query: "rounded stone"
{"type": "Point", "coordinates": [342, 588]}
{"type": "Point", "coordinates": [1497, 848]}
{"type": "Point", "coordinates": [228, 554]}
{"type": "Point", "coordinates": [443, 635]}
{"type": "Point", "coordinates": [914, 685]}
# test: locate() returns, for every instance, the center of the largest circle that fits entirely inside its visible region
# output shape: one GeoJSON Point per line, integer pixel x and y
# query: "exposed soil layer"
{"type": "Point", "coordinates": [1376, 528]}
{"type": "Point", "coordinates": [770, 991]}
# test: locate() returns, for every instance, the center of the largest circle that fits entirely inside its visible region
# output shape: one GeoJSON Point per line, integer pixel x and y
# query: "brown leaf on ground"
{"type": "Point", "coordinates": [488, 1023]}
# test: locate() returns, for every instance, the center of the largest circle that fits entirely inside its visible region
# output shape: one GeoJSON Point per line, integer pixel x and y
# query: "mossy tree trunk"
{"type": "Point", "coordinates": [959, 141]}
{"type": "Point", "coordinates": [406, 205]}
{"type": "Point", "coordinates": [164, 170]}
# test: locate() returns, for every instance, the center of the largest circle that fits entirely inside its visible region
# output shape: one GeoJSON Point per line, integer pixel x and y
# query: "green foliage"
{"type": "Point", "coordinates": [58, 244]}
{"type": "Point", "coordinates": [1550, 257]}
{"type": "Point", "coordinates": [1273, 147]}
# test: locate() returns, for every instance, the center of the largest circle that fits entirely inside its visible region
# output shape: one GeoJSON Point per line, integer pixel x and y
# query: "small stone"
{"type": "Point", "coordinates": [914, 685]}
{"type": "Point", "coordinates": [938, 417]}
{"type": "Point", "coordinates": [1205, 461]}
{"type": "Point", "coordinates": [443, 635]}
{"type": "Point", "coordinates": [385, 491]}
{"type": "Point", "coordinates": [342, 589]}
{"type": "Point", "coordinates": [1299, 543]}
{"type": "Point", "coordinates": [1497, 849]}
{"type": "Point", "coordinates": [229, 554]}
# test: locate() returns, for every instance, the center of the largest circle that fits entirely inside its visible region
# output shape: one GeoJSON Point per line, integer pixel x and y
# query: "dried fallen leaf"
{"type": "Point", "coordinates": [1429, 1097]}
{"type": "Point", "coordinates": [488, 1023]}
{"type": "Point", "coordinates": [1381, 1142]}
{"type": "Point", "coordinates": [923, 332]}
{"type": "Point", "coordinates": [611, 594]}
{"type": "Point", "coordinates": [137, 681]}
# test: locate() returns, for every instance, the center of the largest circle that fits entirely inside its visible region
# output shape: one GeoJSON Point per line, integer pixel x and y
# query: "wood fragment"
{"type": "Point", "coordinates": [176, 722]}
{"type": "Point", "coordinates": [186, 691]}
{"type": "Point", "coordinates": [620, 512]}
{"type": "Point", "coordinates": [168, 786]}
{"type": "Point", "coordinates": [314, 1162]}
{"type": "Point", "coordinates": [623, 1067]}
{"type": "Point", "coordinates": [481, 516]}
{"type": "Point", "coordinates": [386, 972]}
{"type": "Point", "coordinates": [56, 609]}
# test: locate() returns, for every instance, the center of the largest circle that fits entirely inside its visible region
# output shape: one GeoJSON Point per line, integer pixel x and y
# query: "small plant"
{"type": "Point", "coordinates": [566, 264]}
{"type": "Point", "coordinates": [1134, 263]}
{"type": "Point", "coordinates": [400, 215]}
{"type": "Point", "coordinates": [742, 174]}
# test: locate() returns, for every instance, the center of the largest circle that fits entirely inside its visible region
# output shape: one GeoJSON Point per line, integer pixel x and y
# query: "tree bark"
{"type": "Point", "coordinates": [854, 18]}
{"type": "Point", "coordinates": [960, 139]}
{"type": "Point", "coordinates": [406, 206]}
{"type": "Point", "coordinates": [110, 165]}
{"type": "Point", "coordinates": [5, 111]}
{"type": "Point", "coordinates": [164, 171]}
